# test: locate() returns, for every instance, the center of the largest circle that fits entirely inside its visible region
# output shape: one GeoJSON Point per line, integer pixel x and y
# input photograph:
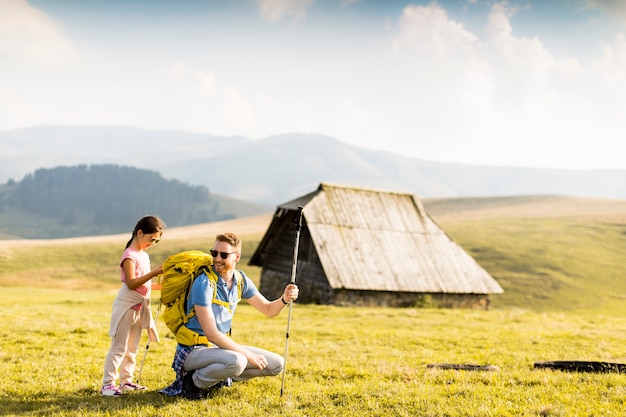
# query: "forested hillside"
{"type": "Point", "coordinates": [101, 199]}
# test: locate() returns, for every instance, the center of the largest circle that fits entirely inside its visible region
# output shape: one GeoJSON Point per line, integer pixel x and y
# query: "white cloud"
{"type": "Point", "coordinates": [178, 70]}
{"type": "Point", "coordinates": [522, 67]}
{"type": "Point", "coordinates": [428, 29]}
{"type": "Point", "coordinates": [500, 98]}
{"type": "Point", "coordinates": [27, 33]}
{"type": "Point", "coordinates": [612, 66]}
{"type": "Point", "coordinates": [448, 86]}
{"type": "Point", "coordinates": [206, 82]}
{"type": "Point", "coordinates": [525, 51]}
{"type": "Point", "coordinates": [237, 112]}
{"type": "Point", "coordinates": [276, 10]}
{"type": "Point", "coordinates": [546, 105]}
{"type": "Point", "coordinates": [350, 118]}
{"type": "Point", "coordinates": [22, 111]}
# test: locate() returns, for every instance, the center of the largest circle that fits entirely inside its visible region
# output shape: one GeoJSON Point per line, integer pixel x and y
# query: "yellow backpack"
{"type": "Point", "coordinates": [179, 272]}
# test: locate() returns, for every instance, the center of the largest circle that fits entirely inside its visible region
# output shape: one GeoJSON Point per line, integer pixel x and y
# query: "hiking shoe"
{"type": "Point", "coordinates": [190, 390]}
{"type": "Point", "coordinates": [131, 386]}
{"type": "Point", "coordinates": [212, 391]}
{"type": "Point", "coordinates": [215, 389]}
{"type": "Point", "coordinates": [110, 391]}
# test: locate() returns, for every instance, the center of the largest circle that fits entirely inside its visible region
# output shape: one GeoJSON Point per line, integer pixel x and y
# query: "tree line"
{"type": "Point", "coordinates": [110, 197]}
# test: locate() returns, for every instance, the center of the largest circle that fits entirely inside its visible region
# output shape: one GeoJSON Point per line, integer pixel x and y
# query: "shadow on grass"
{"type": "Point", "coordinates": [82, 402]}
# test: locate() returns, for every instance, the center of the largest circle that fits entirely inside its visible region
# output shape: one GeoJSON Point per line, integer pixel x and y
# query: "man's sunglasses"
{"type": "Point", "coordinates": [224, 255]}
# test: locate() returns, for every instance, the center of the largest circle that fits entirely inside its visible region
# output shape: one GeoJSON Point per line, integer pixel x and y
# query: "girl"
{"type": "Point", "coordinates": [131, 308]}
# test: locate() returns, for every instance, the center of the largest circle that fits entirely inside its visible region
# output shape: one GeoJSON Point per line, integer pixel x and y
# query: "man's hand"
{"type": "Point", "coordinates": [259, 361]}
{"type": "Point", "coordinates": [291, 293]}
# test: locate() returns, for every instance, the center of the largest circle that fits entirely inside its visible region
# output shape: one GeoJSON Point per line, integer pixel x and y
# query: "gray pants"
{"type": "Point", "coordinates": [214, 364]}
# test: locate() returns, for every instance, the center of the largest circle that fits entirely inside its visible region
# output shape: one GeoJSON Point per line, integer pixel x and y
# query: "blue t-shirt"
{"type": "Point", "coordinates": [202, 295]}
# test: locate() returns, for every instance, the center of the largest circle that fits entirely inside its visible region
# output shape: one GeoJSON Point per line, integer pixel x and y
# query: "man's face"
{"type": "Point", "coordinates": [225, 256]}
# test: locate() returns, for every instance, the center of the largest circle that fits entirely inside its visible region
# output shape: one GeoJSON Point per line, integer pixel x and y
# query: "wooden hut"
{"type": "Point", "coordinates": [366, 247]}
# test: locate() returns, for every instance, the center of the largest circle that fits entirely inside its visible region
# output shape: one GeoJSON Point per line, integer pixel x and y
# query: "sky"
{"type": "Point", "coordinates": [532, 83]}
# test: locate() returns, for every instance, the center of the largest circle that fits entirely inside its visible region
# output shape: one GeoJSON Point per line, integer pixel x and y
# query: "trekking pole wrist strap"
{"type": "Point", "coordinates": [283, 300]}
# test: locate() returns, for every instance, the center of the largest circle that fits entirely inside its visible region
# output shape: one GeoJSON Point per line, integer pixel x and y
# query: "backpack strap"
{"type": "Point", "coordinates": [213, 282]}
{"type": "Point", "coordinates": [204, 269]}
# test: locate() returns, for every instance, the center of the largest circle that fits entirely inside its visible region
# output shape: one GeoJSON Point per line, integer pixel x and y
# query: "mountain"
{"type": "Point", "coordinates": [278, 168]}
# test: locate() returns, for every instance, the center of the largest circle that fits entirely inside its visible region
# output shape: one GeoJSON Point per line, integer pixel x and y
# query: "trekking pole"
{"type": "Point", "coordinates": [145, 353]}
{"type": "Point", "coordinates": [298, 223]}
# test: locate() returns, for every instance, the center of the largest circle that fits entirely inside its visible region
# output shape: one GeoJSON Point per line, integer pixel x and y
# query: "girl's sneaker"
{"type": "Point", "coordinates": [110, 391]}
{"type": "Point", "coordinates": [131, 386]}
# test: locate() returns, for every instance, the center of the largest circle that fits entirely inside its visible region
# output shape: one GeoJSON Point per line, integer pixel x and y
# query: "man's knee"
{"type": "Point", "coordinates": [238, 365]}
{"type": "Point", "coordinates": [277, 367]}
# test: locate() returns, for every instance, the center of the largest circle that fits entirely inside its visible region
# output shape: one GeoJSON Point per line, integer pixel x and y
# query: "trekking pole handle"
{"type": "Point", "coordinates": [298, 224]}
{"type": "Point", "coordinates": [298, 219]}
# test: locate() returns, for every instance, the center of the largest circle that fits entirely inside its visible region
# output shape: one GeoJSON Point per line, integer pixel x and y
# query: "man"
{"type": "Point", "coordinates": [203, 368]}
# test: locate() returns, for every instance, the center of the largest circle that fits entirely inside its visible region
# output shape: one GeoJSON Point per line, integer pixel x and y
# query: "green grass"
{"type": "Point", "coordinates": [550, 264]}
{"type": "Point", "coordinates": [342, 361]}
{"type": "Point", "coordinates": [565, 299]}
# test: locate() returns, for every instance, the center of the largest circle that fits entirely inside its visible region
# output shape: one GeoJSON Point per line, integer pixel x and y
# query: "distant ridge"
{"type": "Point", "coordinates": [278, 168]}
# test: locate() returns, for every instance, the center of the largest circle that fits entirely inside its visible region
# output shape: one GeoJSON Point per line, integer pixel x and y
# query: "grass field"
{"type": "Point", "coordinates": [565, 299]}
{"type": "Point", "coordinates": [342, 361]}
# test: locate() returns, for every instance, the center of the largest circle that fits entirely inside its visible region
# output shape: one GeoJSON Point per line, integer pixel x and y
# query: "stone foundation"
{"type": "Point", "coordinates": [273, 284]}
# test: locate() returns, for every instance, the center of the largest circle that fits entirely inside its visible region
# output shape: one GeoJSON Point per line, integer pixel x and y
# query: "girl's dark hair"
{"type": "Point", "coordinates": [148, 225]}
